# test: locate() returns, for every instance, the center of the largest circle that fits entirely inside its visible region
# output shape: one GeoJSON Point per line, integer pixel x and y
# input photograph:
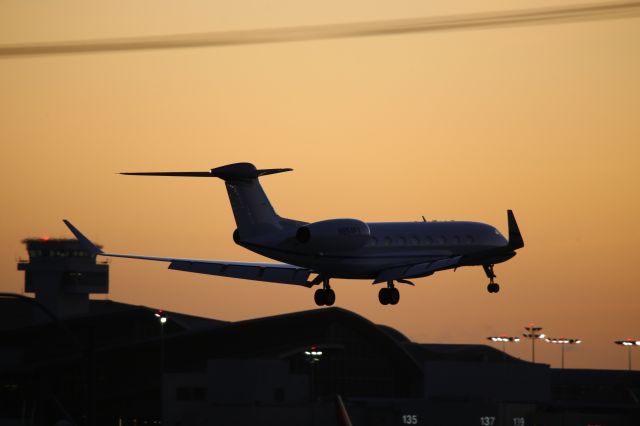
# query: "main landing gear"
{"type": "Point", "coordinates": [491, 287]}
{"type": "Point", "coordinates": [325, 296]}
{"type": "Point", "coordinates": [389, 295]}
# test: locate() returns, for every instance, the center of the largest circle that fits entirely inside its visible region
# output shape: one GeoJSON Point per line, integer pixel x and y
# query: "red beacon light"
{"type": "Point", "coordinates": [161, 316]}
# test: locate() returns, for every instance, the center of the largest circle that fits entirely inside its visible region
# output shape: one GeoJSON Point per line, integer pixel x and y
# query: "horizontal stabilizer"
{"type": "Point", "coordinates": [187, 174]}
{"type": "Point", "coordinates": [230, 172]}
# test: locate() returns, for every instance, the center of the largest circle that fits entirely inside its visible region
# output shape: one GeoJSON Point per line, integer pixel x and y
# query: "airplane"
{"type": "Point", "coordinates": [314, 253]}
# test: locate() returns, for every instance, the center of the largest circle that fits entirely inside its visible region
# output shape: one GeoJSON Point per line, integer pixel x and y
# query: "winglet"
{"type": "Point", "coordinates": [515, 238]}
{"type": "Point", "coordinates": [86, 243]}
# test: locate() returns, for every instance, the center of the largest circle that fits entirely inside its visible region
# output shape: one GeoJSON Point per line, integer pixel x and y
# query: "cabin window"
{"type": "Point", "coordinates": [413, 241]}
{"type": "Point", "coordinates": [387, 241]}
{"type": "Point", "coordinates": [442, 239]}
{"type": "Point", "coordinates": [374, 241]}
{"type": "Point", "coordinates": [428, 241]}
{"type": "Point", "coordinates": [456, 239]}
{"type": "Point", "coordinates": [401, 241]}
{"type": "Point", "coordinates": [468, 239]}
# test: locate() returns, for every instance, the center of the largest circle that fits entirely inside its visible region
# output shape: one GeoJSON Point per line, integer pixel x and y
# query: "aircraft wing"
{"type": "Point", "coordinates": [418, 269]}
{"type": "Point", "coordinates": [280, 273]}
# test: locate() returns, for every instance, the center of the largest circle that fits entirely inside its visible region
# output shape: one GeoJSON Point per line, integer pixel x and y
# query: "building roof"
{"type": "Point", "coordinates": [460, 353]}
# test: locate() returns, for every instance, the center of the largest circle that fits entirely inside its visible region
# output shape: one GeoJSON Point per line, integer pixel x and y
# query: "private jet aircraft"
{"type": "Point", "coordinates": [313, 253]}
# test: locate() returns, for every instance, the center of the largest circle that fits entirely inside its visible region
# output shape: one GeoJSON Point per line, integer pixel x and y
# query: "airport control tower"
{"type": "Point", "coordinates": [62, 275]}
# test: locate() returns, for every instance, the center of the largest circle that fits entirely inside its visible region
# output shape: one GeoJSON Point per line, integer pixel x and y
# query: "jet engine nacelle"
{"type": "Point", "coordinates": [334, 234]}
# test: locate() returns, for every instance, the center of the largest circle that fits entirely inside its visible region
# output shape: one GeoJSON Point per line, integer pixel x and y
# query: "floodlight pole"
{"type": "Point", "coordinates": [312, 355]}
{"type": "Point", "coordinates": [162, 319]}
{"type": "Point", "coordinates": [504, 339]}
{"type": "Point", "coordinates": [628, 343]}
{"type": "Point", "coordinates": [563, 341]}
{"type": "Point", "coordinates": [533, 333]}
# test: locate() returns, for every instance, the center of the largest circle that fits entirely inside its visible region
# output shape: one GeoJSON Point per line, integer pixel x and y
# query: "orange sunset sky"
{"type": "Point", "coordinates": [542, 119]}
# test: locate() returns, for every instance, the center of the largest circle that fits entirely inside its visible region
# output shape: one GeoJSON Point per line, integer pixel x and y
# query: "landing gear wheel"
{"type": "Point", "coordinates": [383, 296]}
{"type": "Point", "coordinates": [320, 297]}
{"type": "Point", "coordinates": [394, 296]}
{"type": "Point", "coordinates": [329, 297]}
{"type": "Point", "coordinates": [389, 295]}
{"type": "Point", "coordinates": [492, 287]}
{"type": "Point", "coordinates": [325, 296]}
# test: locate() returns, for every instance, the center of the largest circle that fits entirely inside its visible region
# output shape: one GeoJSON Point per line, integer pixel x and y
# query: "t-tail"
{"type": "Point", "coordinates": [252, 210]}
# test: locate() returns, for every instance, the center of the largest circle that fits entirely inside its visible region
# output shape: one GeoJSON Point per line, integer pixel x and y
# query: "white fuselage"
{"type": "Point", "coordinates": [390, 244]}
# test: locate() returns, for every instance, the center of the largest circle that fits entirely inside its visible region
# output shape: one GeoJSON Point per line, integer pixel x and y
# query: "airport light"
{"type": "Point", "coordinates": [504, 339]}
{"type": "Point", "coordinates": [629, 343]}
{"type": "Point", "coordinates": [534, 334]}
{"type": "Point", "coordinates": [312, 355]}
{"type": "Point", "coordinates": [563, 341]}
{"type": "Point", "coordinates": [162, 320]}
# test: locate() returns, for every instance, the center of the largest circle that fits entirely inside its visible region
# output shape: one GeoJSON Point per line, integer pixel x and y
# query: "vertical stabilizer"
{"type": "Point", "coordinates": [251, 207]}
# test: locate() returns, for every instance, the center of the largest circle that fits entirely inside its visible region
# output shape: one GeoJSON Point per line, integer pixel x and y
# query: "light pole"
{"type": "Point", "coordinates": [312, 356]}
{"type": "Point", "coordinates": [504, 339]}
{"type": "Point", "coordinates": [533, 333]}
{"type": "Point", "coordinates": [629, 343]}
{"type": "Point", "coordinates": [162, 319]}
{"type": "Point", "coordinates": [563, 341]}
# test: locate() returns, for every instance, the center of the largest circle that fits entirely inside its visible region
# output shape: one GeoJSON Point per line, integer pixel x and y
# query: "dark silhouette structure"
{"type": "Point", "coordinates": [117, 364]}
{"type": "Point", "coordinates": [62, 274]}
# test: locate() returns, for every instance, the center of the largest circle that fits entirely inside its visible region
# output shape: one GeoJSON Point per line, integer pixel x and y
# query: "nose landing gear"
{"type": "Point", "coordinates": [325, 296]}
{"type": "Point", "coordinates": [389, 295]}
{"type": "Point", "coordinates": [491, 287]}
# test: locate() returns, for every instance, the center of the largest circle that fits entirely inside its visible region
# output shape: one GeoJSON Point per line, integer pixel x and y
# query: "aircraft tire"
{"type": "Point", "coordinates": [383, 296]}
{"type": "Point", "coordinates": [329, 297]}
{"type": "Point", "coordinates": [493, 287]}
{"type": "Point", "coordinates": [320, 297]}
{"type": "Point", "coordinates": [394, 296]}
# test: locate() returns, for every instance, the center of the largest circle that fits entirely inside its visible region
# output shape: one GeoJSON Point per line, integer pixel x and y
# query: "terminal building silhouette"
{"type": "Point", "coordinates": [68, 359]}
